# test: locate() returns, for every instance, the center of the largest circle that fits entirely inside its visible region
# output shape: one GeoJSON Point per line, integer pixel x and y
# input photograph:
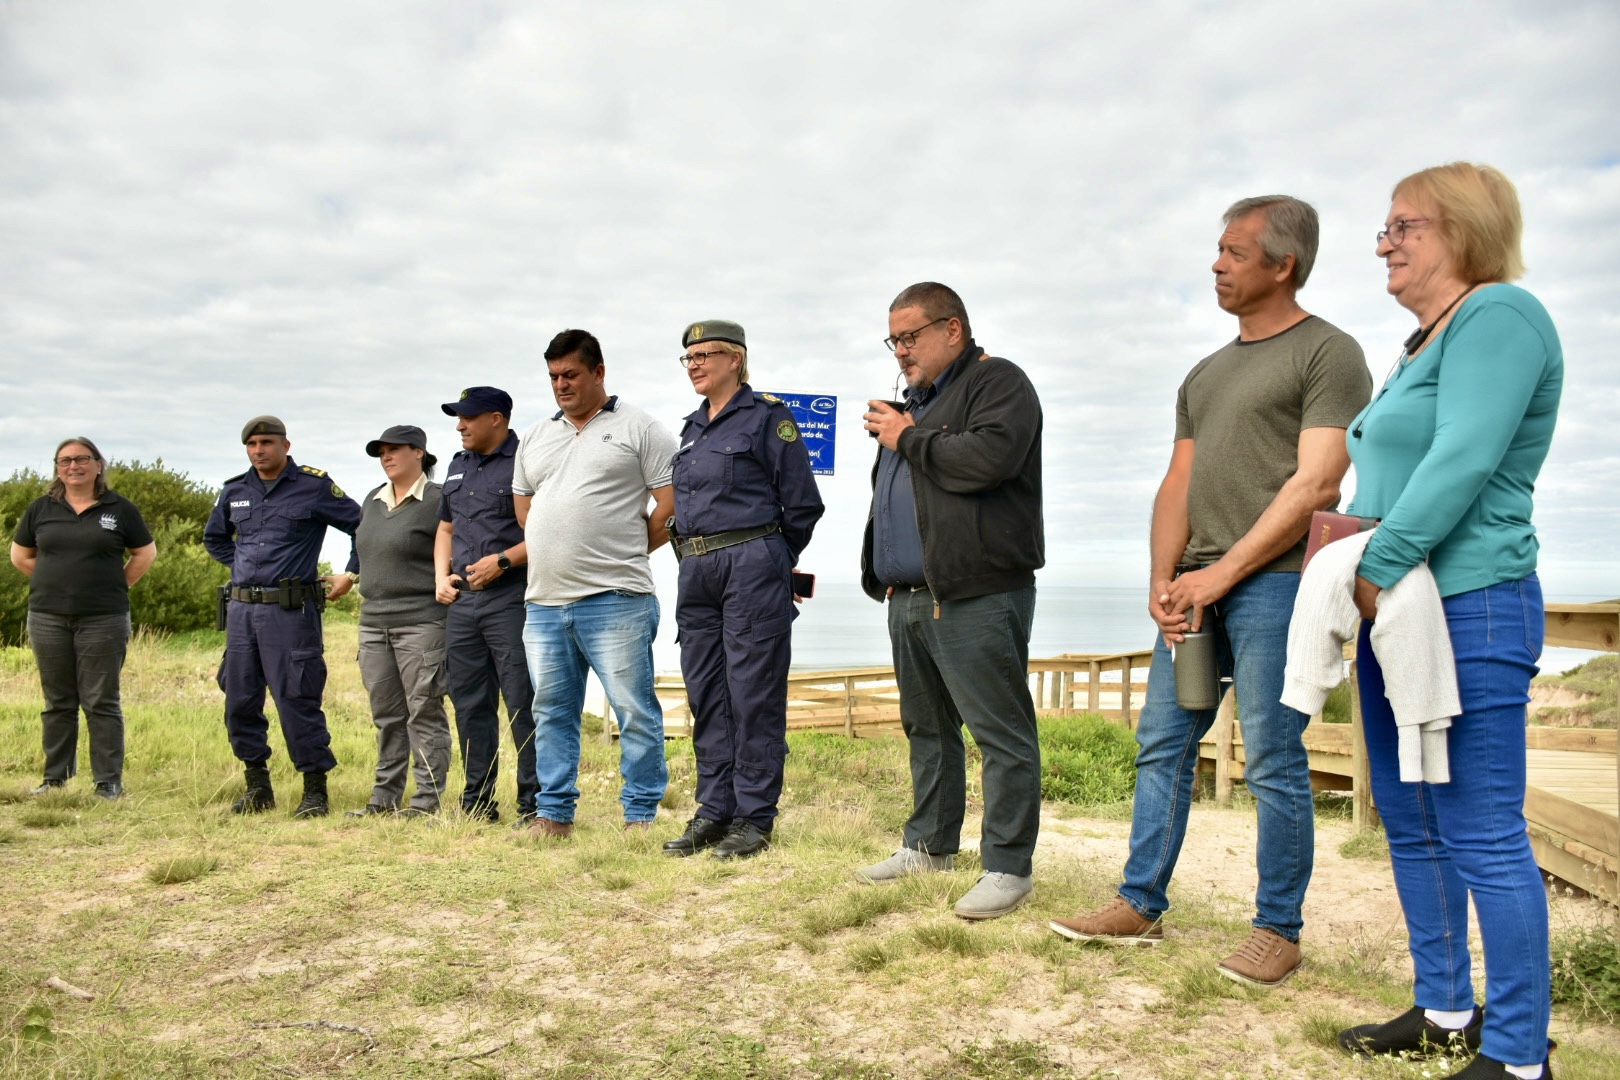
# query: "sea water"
{"type": "Point", "coordinates": [841, 627]}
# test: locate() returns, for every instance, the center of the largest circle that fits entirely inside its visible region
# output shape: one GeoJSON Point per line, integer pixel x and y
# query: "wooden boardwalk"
{"type": "Point", "coordinates": [1572, 802]}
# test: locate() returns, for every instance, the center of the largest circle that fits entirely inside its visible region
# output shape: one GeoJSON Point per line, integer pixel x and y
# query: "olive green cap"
{"type": "Point", "coordinates": [714, 330]}
{"type": "Point", "coordinates": [263, 425]}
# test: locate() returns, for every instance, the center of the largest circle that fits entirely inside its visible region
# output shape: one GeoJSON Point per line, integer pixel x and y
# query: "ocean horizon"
{"type": "Point", "coordinates": [841, 627]}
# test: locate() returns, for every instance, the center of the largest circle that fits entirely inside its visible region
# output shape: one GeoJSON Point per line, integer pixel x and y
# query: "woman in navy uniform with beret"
{"type": "Point", "coordinates": [71, 543]}
{"type": "Point", "coordinates": [745, 506]}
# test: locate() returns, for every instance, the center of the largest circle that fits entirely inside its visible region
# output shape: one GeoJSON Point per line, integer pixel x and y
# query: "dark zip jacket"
{"type": "Point", "coordinates": [975, 460]}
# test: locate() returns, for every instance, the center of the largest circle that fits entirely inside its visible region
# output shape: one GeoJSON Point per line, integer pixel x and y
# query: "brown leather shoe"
{"type": "Point", "coordinates": [638, 826]}
{"type": "Point", "coordinates": [1115, 923]}
{"type": "Point", "coordinates": [1266, 960]}
{"type": "Point", "coordinates": [546, 829]}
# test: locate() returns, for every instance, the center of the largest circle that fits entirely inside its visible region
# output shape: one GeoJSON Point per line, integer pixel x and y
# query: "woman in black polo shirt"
{"type": "Point", "coordinates": [71, 542]}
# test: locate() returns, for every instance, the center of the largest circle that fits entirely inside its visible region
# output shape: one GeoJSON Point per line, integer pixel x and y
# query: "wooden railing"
{"type": "Point", "coordinates": [866, 701]}
{"type": "Point", "coordinates": [1572, 829]}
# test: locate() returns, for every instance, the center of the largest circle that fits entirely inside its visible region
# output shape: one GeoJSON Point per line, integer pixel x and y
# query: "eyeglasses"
{"type": "Point", "coordinates": [77, 459]}
{"type": "Point", "coordinates": [1396, 233]}
{"type": "Point", "coordinates": [908, 338]}
{"type": "Point", "coordinates": [688, 359]}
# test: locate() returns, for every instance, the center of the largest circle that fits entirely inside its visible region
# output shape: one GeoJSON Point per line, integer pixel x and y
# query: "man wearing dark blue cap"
{"type": "Point", "coordinates": [267, 527]}
{"type": "Point", "coordinates": [476, 557]}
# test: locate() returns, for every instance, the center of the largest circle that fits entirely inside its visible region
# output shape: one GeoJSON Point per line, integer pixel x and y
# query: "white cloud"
{"type": "Point", "coordinates": [345, 213]}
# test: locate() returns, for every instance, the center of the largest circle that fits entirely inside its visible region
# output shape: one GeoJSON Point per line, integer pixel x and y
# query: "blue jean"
{"type": "Point", "coordinates": [611, 633]}
{"type": "Point", "coordinates": [1447, 841]}
{"type": "Point", "coordinates": [1253, 650]}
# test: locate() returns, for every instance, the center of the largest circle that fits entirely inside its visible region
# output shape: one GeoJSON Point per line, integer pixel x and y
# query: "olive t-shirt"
{"type": "Point", "coordinates": [1244, 407]}
{"type": "Point", "coordinates": [80, 570]}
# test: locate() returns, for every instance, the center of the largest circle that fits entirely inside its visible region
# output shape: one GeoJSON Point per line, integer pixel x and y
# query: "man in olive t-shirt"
{"type": "Point", "coordinates": [1259, 446]}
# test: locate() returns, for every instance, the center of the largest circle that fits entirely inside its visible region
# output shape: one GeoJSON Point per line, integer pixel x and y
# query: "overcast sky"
{"type": "Point", "coordinates": [343, 213]}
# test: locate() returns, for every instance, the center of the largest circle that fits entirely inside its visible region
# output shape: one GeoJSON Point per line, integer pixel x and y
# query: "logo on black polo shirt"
{"type": "Point", "coordinates": [109, 521]}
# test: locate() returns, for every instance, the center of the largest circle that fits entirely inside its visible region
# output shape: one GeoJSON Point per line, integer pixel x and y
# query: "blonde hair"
{"type": "Point", "coordinates": [1477, 212]}
{"type": "Point", "coordinates": [733, 349]}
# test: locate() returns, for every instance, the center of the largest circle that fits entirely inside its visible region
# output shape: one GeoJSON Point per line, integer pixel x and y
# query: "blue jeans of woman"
{"type": "Point", "coordinates": [1467, 837]}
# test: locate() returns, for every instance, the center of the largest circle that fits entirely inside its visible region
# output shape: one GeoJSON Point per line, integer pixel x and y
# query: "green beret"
{"type": "Point", "coordinates": [263, 425]}
{"type": "Point", "coordinates": [714, 330]}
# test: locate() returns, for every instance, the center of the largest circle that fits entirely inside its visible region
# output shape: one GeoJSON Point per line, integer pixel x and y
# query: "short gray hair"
{"type": "Point", "coordinates": [937, 302]}
{"type": "Point", "coordinates": [1291, 228]}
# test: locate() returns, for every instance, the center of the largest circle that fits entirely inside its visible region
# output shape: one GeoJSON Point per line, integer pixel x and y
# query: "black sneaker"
{"type": "Point", "coordinates": [111, 790]}
{"type": "Point", "coordinates": [1413, 1034]}
{"type": "Point", "coordinates": [373, 810]}
{"type": "Point", "coordinates": [483, 812]}
{"type": "Point", "coordinates": [46, 788]}
{"type": "Point", "coordinates": [1488, 1068]}
{"type": "Point", "coordinates": [743, 840]}
{"type": "Point", "coordinates": [701, 832]}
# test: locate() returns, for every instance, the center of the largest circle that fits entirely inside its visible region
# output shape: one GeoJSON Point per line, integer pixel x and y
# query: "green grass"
{"type": "Point", "coordinates": [247, 948]}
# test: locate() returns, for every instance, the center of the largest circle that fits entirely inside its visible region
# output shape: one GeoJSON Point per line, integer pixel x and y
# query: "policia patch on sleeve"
{"type": "Point", "coordinates": [786, 431]}
{"type": "Point", "coordinates": [337, 492]}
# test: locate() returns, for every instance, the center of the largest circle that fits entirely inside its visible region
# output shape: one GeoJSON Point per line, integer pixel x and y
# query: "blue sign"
{"type": "Point", "coordinates": [817, 417]}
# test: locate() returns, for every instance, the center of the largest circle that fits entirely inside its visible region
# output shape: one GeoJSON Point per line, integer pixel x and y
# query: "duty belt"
{"type": "Point", "coordinates": [702, 545]}
{"type": "Point", "coordinates": [288, 596]}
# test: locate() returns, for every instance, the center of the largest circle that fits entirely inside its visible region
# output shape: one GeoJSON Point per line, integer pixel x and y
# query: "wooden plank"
{"type": "Point", "coordinates": [1225, 721]}
{"type": "Point", "coordinates": [1584, 626]}
{"type": "Point", "coordinates": [1557, 855]}
{"type": "Point", "coordinates": [1591, 827]}
{"type": "Point", "coordinates": [1094, 690]}
{"type": "Point", "coordinates": [1600, 740]}
{"type": "Point", "coordinates": [1363, 812]}
{"type": "Point", "coordinates": [1127, 687]}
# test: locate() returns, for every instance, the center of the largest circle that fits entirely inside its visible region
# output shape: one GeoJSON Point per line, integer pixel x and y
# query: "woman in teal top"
{"type": "Point", "coordinates": [1447, 455]}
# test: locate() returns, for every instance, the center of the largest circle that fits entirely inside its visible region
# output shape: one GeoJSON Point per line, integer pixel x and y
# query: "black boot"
{"type": "Point", "coordinates": [701, 832]}
{"type": "Point", "coordinates": [314, 801]}
{"type": "Point", "coordinates": [259, 796]}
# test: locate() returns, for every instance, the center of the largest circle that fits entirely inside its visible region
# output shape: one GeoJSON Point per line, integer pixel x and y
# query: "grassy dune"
{"type": "Point", "coordinates": [217, 946]}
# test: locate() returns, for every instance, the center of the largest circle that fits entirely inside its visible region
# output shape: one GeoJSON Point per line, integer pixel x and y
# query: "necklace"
{"type": "Point", "coordinates": [1421, 334]}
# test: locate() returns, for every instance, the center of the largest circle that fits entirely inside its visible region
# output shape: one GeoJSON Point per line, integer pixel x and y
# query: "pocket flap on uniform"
{"type": "Point", "coordinates": [735, 443]}
{"type": "Point", "coordinates": [775, 626]}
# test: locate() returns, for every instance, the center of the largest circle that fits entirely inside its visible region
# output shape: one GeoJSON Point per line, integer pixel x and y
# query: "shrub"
{"type": "Point", "coordinates": [1586, 972]}
{"type": "Point", "coordinates": [1086, 760]}
{"type": "Point", "coordinates": [177, 594]}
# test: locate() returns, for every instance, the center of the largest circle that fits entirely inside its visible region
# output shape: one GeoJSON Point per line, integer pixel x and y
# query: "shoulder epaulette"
{"type": "Point", "coordinates": [238, 476]}
{"type": "Point", "coordinates": [312, 470]}
{"type": "Point", "coordinates": [767, 398]}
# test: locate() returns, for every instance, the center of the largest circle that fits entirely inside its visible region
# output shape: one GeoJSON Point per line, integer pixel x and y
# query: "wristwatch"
{"type": "Point", "coordinates": [503, 562]}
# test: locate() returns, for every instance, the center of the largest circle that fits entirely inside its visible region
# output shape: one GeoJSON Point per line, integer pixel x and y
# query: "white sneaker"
{"type": "Point", "coordinates": [904, 863]}
{"type": "Point", "coordinates": [994, 896]}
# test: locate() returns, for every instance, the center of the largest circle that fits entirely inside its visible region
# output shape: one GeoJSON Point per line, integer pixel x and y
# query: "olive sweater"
{"type": "Point", "coordinates": [396, 560]}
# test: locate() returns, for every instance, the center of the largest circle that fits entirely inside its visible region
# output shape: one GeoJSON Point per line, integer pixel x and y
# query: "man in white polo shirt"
{"type": "Point", "coordinates": [593, 492]}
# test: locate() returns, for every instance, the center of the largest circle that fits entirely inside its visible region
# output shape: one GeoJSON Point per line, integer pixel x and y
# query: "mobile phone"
{"type": "Point", "coordinates": [804, 585]}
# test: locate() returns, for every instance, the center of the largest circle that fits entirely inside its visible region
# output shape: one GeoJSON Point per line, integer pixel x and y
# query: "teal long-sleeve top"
{"type": "Point", "coordinates": [1448, 452]}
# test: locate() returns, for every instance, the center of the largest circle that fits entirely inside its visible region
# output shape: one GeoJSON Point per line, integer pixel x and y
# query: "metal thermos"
{"type": "Point", "coordinates": [1197, 677]}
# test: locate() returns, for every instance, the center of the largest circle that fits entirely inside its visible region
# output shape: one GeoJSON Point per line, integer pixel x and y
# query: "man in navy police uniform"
{"type": "Point", "coordinates": [267, 527]}
{"type": "Point", "coordinates": [478, 561]}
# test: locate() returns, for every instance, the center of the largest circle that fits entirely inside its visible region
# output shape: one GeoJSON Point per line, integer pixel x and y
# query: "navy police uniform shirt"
{"type": "Point", "coordinates": [477, 500]}
{"type": "Point", "coordinates": [265, 536]}
{"type": "Point", "coordinates": [746, 468]}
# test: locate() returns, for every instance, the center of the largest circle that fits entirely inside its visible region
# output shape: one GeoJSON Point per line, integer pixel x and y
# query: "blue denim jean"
{"type": "Point", "coordinates": [1467, 837]}
{"type": "Point", "coordinates": [612, 634]}
{"type": "Point", "coordinates": [1253, 649]}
